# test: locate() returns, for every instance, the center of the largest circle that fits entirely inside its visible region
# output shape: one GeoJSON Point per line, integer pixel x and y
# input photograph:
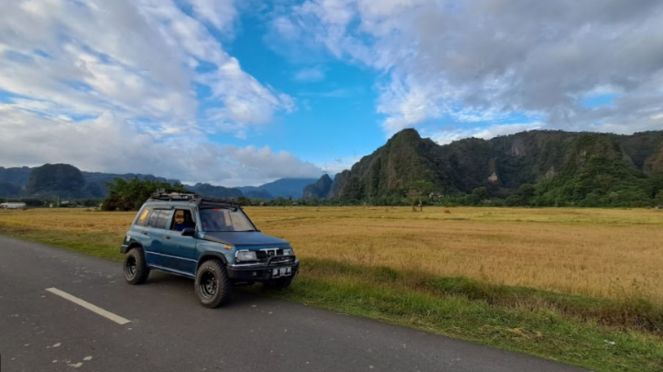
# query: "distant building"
{"type": "Point", "coordinates": [11, 205]}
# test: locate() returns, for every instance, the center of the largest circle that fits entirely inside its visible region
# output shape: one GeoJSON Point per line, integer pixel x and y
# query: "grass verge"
{"type": "Point", "coordinates": [602, 335]}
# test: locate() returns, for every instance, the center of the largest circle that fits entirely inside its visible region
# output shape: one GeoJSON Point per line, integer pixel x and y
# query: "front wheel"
{"type": "Point", "coordinates": [212, 284]}
{"type": "Point", "coordinates": [135, 269]}
{"type": "Point", "coordinates": [280, 283]}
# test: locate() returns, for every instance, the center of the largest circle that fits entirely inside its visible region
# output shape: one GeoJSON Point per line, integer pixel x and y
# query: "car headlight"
{"type": "Point", "coordinates": [246, 256]}
{"type": "Point", "coordinates": [288, 252]}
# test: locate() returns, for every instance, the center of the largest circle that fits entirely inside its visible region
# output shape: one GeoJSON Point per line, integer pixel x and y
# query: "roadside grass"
{"type": "Point", "coordinates": [628, 314]}
{"type": "Point", "coordinates": [92, 244]}
{"type": "Point", "coordinates": [372, 263]}
{"type": "Point", "coordinates": [538, 332]}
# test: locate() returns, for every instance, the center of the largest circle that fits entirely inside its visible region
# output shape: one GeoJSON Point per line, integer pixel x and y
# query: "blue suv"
{"type": "Point", "coordinates": [210, 240]}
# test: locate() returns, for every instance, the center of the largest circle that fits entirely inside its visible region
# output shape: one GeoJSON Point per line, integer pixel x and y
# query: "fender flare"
{"type": "Point", "coordinates": [211, 254]}
{"type": "Point", "coordinates": [126, 248]}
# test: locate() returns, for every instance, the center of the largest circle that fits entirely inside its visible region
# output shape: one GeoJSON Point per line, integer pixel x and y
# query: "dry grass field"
{"type": "Point", "coordinates": [605, 253]}
{"type": "Point", "coordinates": [505, 277]}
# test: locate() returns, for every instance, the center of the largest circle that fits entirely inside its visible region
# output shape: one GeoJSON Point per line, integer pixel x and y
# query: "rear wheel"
{"type": "Point", "coordinates": [212, 284]}
{"type": "Point", "coordinates": [135, 269]}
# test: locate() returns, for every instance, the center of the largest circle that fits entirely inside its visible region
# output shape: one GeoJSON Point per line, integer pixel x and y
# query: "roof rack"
{"type": "Point", "coordinates": [173, 195]}
{"type": "Point", "coordinates": [170, 195]}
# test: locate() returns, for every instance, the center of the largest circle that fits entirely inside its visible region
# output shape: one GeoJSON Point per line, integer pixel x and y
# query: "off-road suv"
{"type": "Point", "coordinates": [210, 240]}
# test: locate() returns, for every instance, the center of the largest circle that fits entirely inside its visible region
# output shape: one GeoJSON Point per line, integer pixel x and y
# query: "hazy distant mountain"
{"type": "Point", "coordinates": [94, 182]}
{"type": "Point", "coordinates": [17, 176]}
{"type": "Point", "coordinates": [8, 190]}
{"type": "Point", "coordinates": [253, 192]}
{"type": "Point", "coordinates": [284, 187]}
{"type": "Point", "coordinates": [62, 180]}
{"type": "Point", "coordinates": [215, 191]}
{"type": "Point", "coordinates": [65, 180]}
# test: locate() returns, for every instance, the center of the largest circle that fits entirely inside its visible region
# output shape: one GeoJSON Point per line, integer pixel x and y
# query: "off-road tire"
{"type": "Point", "coordinates": [280, 283]}
{"type": "Point", "coordinates": [212, 284]}
{"type": "Point", "coordinates": [135, 269]}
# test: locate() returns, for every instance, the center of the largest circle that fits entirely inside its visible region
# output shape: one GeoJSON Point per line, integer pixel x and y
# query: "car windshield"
{"type": "Point", "coordinates": [225, 219]}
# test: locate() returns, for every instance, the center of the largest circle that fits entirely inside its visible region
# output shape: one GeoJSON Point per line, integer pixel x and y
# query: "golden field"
{"type": "Point", "coordinates": [604, 253]}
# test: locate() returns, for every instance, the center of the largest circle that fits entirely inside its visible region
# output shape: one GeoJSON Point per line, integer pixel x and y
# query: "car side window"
{"type": "Point", "coordinates": [153, 218]}
{"type": "Point", "coordinates": [162, 220]}
{"type": "Point", "coordinates": [144, 217]}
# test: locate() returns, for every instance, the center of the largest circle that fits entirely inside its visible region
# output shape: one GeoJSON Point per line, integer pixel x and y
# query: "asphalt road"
{"type": "Point", "coordinates": [170, 331]}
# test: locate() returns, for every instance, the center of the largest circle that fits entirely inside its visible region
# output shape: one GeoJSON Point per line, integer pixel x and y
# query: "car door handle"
{"type": "Point", "coordinates": [167, 236]}
{"type": "Point", "coordinates": [146, 233]}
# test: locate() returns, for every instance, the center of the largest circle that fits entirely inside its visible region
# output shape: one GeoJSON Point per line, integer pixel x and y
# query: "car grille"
{"type": "Point", "coordinates": [264, 254]}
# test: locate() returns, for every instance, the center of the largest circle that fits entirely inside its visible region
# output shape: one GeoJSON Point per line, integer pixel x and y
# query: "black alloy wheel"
{"type": "Point", "coordinates": [135, 268]}
{"type": "Point", "coordinates": [208, 284]}
{"type": "Point", "coordinates": [212, 284]}
{"type": "Point", "coordinates": [130, 267]}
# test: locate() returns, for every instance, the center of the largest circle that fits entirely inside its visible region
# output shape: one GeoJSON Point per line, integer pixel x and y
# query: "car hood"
{"type": "Point", "coordinates": [244, 239]}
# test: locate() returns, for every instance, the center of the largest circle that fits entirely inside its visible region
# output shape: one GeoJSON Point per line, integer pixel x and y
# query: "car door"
{"type": "Point", "coordinates": [155, 231]}
{"type": "Point", "coordinates": [179, 251]}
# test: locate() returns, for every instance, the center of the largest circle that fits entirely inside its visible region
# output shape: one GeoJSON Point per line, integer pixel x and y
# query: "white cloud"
{"type": "Point", "coordinates": [506, 129]}
{"type": "Point", "coordinates": [311, 74]}
{"type": "Point", "coordinates": [338, 165]}
{"type": "Point", "coordinates": [112, 86]}
{"type": "Point", "coordinates": [285, 28]}
{"type": "Point", "coordinates": [448, 135]}
{"type": "Point", "coordinates": [219, 13]}
{"type": "Point", "coordinates": [246, 100]}
{"type": "Point", "coordinates": [137, 59]}
{"type": "Point", "coordinates": [407, 104]}
{"type": "Point", "coordinates": [481, 60]}
{"type": "Point", "coordinates": [111, 144]}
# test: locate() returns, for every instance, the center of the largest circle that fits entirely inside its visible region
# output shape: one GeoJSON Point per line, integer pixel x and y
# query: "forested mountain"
{"type": "Point", "coordinates": [566, 168]}
{"type": "Point", "coordinates": [318, 190]}
{"type": "Point", "coordinates": [56, 179]}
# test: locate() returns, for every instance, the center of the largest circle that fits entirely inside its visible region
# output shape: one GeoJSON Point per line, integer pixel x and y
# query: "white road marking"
{"type": "Point", "coordinates": [95, 309]}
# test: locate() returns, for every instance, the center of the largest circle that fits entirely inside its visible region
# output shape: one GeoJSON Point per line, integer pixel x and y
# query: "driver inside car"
{"type": "Point", "coordinates": [182, 220]}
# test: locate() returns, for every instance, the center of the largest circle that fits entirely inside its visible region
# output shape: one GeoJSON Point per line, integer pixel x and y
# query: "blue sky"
{"type": "Point", "coordinates": [245, 92]}
{"type": "Point", "coordinates": [335, 118]}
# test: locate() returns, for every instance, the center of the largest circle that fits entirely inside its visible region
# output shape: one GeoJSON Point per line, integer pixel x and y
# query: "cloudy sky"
{"type": "Point", "coordinates": [244, 92]}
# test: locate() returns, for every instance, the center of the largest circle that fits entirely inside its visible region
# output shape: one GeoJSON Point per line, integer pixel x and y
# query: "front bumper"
{"type": "Point", "coordinates": [124, 248]}
{"type": "Point", "coordinates": [260, 273]}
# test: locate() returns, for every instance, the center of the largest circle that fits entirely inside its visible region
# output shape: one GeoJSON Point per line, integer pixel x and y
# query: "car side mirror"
{"type": "Point", "coordinates": [188, 232]}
